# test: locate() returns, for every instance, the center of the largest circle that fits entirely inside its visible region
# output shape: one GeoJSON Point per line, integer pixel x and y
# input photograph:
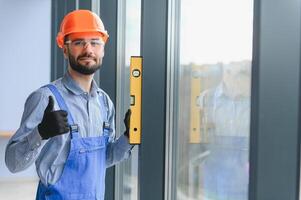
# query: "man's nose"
{"type": "Point", "coordinates": [88, 47]}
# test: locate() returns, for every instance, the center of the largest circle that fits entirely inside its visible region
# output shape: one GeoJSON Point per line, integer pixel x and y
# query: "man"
{"type": "Point", "coordinates": [227, 107]}
{"type": "Point", "coordinates": [67, 127]}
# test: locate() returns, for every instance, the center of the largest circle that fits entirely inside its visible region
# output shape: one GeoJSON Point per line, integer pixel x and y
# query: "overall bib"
{"type": "Point", "coordinates": [83, 176]}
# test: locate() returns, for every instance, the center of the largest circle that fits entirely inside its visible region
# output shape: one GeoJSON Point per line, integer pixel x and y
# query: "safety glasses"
{"type": "Point", "coordinates": [80, 43]}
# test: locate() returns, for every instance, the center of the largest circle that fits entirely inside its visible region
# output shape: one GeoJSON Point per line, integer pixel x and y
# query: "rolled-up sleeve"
{"type": "Point", "coordinates": [24, 146]}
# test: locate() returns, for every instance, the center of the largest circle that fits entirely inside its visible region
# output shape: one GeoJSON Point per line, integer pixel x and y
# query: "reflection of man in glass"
{"type": "Point", "coordinates": [227, 108]}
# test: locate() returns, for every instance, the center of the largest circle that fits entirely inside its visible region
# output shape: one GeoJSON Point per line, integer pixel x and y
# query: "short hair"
{"type": "Point", "coordinates": [66, 38]}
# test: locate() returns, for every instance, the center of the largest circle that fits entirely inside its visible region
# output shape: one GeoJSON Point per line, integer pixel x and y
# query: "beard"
{"type": "Point", "coordinates": [83, 69]}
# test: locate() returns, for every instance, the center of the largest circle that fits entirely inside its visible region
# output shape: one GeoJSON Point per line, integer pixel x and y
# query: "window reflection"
{"type": "Point", "coordinates": [216, 149]}
{"type": "Point", "coordinates": [214, 100]}
{"type": "Point", "coordinates": [227, 109]}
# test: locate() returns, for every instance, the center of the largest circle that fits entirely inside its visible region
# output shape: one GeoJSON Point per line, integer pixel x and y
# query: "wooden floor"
{"type": "Point", "coordinates": [25, 190]}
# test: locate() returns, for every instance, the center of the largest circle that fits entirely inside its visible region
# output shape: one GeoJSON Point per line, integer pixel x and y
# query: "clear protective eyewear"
{"type": "Point", "coordinates": [80, 43]}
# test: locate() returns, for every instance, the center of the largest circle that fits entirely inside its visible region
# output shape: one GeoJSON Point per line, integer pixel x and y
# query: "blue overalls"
{"type": "Point", "coordinates": [83, 177]}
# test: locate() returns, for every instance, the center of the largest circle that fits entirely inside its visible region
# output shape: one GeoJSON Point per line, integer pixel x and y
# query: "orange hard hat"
{"type": "Point", "coordinates": [81, 21]}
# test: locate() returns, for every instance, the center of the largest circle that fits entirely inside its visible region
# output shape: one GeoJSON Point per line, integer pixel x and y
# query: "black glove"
{"type": "Point", "coordinates": [126, 121]}
{"type": "Point", "coordinates": [53, 122]}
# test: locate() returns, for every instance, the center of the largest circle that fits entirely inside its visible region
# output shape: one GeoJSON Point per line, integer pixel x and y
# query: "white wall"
{"type": "Point", "coordinates": [25, 46]}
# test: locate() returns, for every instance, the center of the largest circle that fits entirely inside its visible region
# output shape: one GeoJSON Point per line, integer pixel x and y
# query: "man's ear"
{"type": "Point", "coordinates": [65, 51]}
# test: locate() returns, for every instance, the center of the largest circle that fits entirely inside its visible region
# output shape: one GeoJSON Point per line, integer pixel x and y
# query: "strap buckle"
{"type": "Point", "coordinates": [73, 128]}
{"type": "Point", "coordinates": [106, 126]}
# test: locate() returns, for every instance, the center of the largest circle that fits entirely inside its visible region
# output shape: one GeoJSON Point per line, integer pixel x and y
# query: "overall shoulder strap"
{"type": "Point", "coordinates": [61, 102]}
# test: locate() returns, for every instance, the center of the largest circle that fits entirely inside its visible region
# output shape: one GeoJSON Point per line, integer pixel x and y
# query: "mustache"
{"type": "Point", "coordinates": [86, 56]}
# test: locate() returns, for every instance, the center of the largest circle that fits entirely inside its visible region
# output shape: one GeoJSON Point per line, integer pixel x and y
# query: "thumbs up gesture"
{"type": "Point", "coordinates": [54, 122]}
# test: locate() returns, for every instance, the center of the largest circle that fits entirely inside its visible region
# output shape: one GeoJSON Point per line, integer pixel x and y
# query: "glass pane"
{"type": "Point", "coordinates": [127, 178]}
{"type": "Point", "coordinates": [213, 100]}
